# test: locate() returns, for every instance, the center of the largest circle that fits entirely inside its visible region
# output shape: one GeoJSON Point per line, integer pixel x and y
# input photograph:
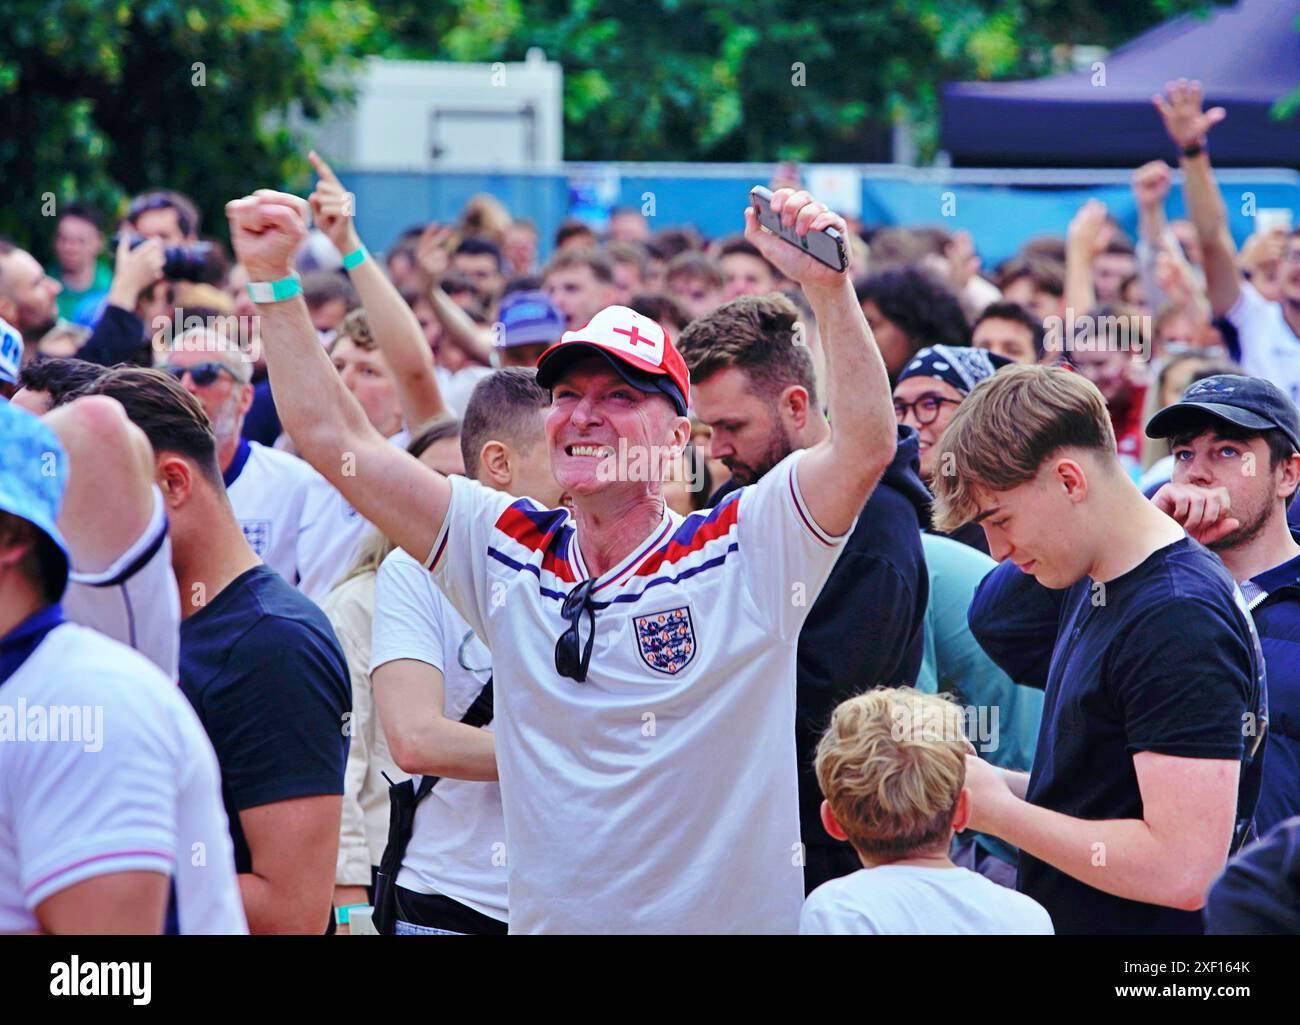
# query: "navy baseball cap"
{"type": "Point", "coordinates": [528, 318]}
{"type": "Point", "coordinates": [33, 476]}
{"type": "Point", "coordinates": [1249, 402]}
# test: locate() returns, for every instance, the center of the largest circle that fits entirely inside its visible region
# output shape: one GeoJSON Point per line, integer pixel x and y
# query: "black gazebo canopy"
{"type": "Point", "coordinates": [1247, 56]}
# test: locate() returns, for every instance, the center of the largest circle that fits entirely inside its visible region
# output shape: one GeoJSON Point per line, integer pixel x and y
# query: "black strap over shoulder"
{"type": "Point", "coordinates": [403, 799]}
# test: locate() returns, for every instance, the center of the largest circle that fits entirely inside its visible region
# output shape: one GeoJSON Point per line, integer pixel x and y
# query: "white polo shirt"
{"type": "Point", "coordinates": [458, 843]}
{"type": "Point", "coordinates": [1269, 348]}
{"type": "Point", "coordinates": [268, 492]}
{"type": "Point", "coordinates": [660, 795]}
{"type": "Point", "coordinates": [134, 788]}
{"type": "Point", "coordinates": [135, 600]}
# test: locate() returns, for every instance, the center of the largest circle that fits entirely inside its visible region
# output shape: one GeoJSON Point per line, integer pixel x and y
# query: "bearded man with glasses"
{"type": "Point", "coordinates": [646, 755]}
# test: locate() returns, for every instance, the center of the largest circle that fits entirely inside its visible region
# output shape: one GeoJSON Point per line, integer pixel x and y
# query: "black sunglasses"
{"type": "Point", "coordinates": [568, 661]}
{"type": "Point", "coordinates": [203, 374]}
{"type": "Point", "coordinates": [925, 409]}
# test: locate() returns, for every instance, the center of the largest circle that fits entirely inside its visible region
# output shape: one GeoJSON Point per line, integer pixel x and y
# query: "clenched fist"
{"type": "Point", "coordinates": [266, 231]}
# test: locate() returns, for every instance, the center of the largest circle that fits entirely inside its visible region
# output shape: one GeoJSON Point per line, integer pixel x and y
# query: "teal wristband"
{"type": "Point", "coordinates": [343, 915]}
{"type": "Point", "coordinates": [275, 291]}
{"type": "Point", "coordinates": [355, 258]}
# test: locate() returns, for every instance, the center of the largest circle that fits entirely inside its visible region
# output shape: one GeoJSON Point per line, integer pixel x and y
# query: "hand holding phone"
{"type": "Point", "coordinates": [825, 245]}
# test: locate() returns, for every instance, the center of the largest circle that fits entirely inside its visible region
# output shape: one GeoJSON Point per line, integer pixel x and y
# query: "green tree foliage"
{"type": "Point", "coordinates": [762, 79]}
{"type": "Point", "coordinates": [102, 99]}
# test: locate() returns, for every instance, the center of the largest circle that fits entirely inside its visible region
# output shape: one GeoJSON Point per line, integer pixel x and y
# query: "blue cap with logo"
{"type": "Point", "coordinates": [1249, 402]}
{"type": "Point", "coordinates": [529, 318]}
{"type": "Point", "coordinates": [11, 352]}
{"type": "Point", "coordinates": [33, 476]}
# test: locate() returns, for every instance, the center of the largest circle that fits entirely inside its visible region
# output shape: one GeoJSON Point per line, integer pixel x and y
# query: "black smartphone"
{"type": "Point", "coordinates": [826, 246]}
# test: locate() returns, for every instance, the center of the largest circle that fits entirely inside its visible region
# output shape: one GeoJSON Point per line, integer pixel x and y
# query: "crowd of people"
{"type": "Point", "coordinates": [606, 594]}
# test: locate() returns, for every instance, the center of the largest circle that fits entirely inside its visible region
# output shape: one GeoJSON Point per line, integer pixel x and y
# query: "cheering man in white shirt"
{"type": "Point", "coordinates": [644, 664]}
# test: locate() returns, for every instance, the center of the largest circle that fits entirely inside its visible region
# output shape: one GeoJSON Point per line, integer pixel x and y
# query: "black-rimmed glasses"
{"type": "Point", "coordinates": [571, 659]}
{"type": "Point", "coordinates": [925, 409]}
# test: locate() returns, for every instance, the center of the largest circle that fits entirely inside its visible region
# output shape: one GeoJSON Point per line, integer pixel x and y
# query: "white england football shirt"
{"type": "Point", "coordinates": [135, 600]}
{"type": "Point", "coordinates": [1269, 348]}
{"type": "Point", "coordinates": [659, 795]}
{"type": "Point", "coordinates": [134, 788]}
{"type": "Point", "coordinates": [268, 492]}
{"type": "Point", "coordinates": [333, 534]}
{"type": "Point", "coordinates": [458, 844]}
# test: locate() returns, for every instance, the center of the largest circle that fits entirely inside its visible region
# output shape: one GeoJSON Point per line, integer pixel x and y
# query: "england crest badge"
{"type": "Point", "coordinates": [666, 640]}
{"type": "Point", "coordinates": [258, 534]}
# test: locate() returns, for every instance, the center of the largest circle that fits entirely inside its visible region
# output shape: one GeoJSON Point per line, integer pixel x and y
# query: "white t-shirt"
{"type": "Point", "coordinates": [269, 497]}
{"type": "Point", "coordinates": [912, 900]}
{"type": "Point", "coordinates": [332, 535]}
{"type": "Point", "coordinates": [659, 795]}
{"type": "Point", "coordinates": [135, 600]}
{"type": "Point", "coordinates": [458, 843]}
{"type": "Point", "coordinates": [457, 388]}
{"type": "Point", "coordinates": [1269, 348]}
{"type": "Point", "coordinates": [125, 781]}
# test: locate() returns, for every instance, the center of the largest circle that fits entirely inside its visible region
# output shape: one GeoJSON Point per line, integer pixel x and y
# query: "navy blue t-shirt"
{"type": "Point", "coordinates": [1277, 618]}
{"type": "Point", "coordinates": [263, 669]}
{"type": "Point", "coordinates": [1163, 659]}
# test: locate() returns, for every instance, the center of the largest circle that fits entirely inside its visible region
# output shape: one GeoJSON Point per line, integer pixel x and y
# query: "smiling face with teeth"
{"type": "Point", "coordinates": [595, 414]}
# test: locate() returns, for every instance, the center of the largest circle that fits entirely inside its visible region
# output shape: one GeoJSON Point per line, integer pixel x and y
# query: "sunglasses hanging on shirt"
{"type": "Point", "coordinates": [571, 659]}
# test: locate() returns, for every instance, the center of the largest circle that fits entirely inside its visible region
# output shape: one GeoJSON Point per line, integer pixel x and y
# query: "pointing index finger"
{"type": "Point", "coordinates": [323, 169]}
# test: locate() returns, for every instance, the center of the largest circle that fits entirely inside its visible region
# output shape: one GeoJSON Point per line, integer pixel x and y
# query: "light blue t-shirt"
{"type": "Point", "coordinates": [1002, 716]}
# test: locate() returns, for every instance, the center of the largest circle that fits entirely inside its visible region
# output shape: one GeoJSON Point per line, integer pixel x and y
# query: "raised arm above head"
{"type": "Point", "coordinates": [837, 475]}
{"type": "Point", "coordinates": [405, 499]}
{"type": "Point", "coordinates": [1189, 127]}
{"type": "Point", "coordinates": [391, 320]}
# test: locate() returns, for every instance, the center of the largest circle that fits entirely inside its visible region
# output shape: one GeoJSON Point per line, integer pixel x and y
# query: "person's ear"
{"type": "Point", "coordinates": [831, 824]}
{"type": "Point", "coordinates": [245, 399]}
{"type": "Point", "coordinates": [12, 553]}
{"type": "Point", "coordinates": [495, 460]}
{"type": "Point", "coordinates": [175, 479]}
{"type": "Point", "coordinates": [1069, 474]}
{"type": "Point", "coordinates": [1288, 476]}
{"type": "Point", "coordinates": [794, 404]}
{"type": "Point", "coordinates": [679, 434]}
{"type": "Point", "coordinates": [961, 813]}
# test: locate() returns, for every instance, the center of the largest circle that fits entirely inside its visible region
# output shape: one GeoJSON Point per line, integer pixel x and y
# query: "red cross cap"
{"type": "Point", "coordinates": [636, 348]}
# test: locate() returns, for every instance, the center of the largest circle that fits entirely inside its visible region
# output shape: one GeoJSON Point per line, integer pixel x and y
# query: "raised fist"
{"type": "Point", "coordinates": [1151, 183]}
{"type": "Point", "coordinates": [266, 231]}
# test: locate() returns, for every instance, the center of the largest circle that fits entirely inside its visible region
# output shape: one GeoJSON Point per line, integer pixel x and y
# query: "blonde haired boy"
{"type": "Point", "coordinates": [892, 767]}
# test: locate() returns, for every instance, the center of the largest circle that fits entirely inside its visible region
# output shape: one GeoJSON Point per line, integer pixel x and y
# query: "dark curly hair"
{"type": "Point", "coordinates": [919, 304]}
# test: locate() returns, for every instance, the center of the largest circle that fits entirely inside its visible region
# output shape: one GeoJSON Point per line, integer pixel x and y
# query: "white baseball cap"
{"type": "Point", "coordinates": [636, 348]}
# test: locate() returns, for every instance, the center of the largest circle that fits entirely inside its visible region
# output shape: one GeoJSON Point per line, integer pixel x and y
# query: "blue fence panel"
{"type": "Point", "coordinates": [1001, 209]}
